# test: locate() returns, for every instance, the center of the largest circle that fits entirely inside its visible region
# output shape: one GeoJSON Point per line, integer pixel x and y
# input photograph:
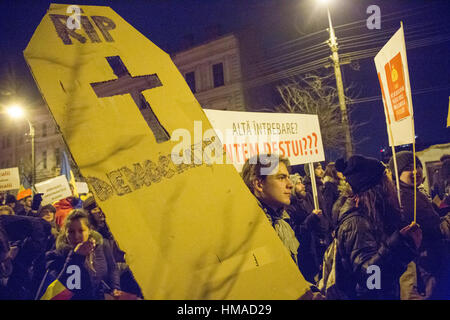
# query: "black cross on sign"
{"type": "Point", "coordinates": [126, 84]}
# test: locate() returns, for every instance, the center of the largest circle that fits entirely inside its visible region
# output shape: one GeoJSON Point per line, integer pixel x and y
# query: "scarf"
{"type": "Point", "coordinates": [283, 229]}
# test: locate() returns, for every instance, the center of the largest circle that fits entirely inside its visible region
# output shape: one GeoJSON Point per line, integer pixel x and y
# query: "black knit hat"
{"type": "Point", "coordinates": [362, 173]}
{"type": "Point", "coordinates": [404, 159]}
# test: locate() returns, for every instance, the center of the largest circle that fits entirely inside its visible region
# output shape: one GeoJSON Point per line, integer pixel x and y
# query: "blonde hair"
{"type": "Point", "coordinates": [252, 169]}
{"type": "Point", "coordinates": [7, 208]}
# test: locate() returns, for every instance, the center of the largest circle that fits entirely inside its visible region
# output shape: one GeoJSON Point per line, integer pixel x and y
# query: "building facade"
{"type": "Point", "coordinates": [213, 72]}
{"type": "Point", "coordinates": [15, 144]}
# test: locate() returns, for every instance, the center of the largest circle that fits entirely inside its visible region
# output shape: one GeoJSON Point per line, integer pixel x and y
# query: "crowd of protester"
{"type": "Point", "coordinates": [360, 225]}
{"type": "Point", "coordinates": [356, 222]}
{"type": "Point", "coordinates": [39, 243]}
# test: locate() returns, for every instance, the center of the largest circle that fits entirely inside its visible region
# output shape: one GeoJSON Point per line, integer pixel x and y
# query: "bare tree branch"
{"type": "Point", "coordinates": [317, 94]}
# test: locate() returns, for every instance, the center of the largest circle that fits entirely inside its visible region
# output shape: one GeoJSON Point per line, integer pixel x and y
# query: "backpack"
{"type": "Point", "coordinates": [328, 283]}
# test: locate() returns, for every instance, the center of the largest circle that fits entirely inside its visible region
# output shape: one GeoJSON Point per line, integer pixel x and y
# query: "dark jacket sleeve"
{"type": "Point", "coordinates": [330, 195]}
{"type": "Point", "coordinates": [362, 250]}
{"type": "Point", "coordinates": [34, 234]}
{"type": "Point", "coordinates": [113, 270]}
{"type": "Point", "coordinates": [427, 217]}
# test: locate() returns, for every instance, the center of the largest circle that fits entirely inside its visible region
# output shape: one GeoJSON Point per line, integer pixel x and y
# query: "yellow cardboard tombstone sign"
{"type": "Point", "coordinates": [191, 231]}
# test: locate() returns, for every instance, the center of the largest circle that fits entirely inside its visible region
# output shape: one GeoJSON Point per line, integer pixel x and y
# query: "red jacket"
{"type": "Point", "coordinates": [63, 208]}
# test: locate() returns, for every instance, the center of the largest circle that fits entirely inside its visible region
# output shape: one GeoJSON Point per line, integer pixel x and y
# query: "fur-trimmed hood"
{"type": "Point", "coordinates": [62, 244]}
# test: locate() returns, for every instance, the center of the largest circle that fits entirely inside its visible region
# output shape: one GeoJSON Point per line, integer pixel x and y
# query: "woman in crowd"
{"type": "Point", "coordinates": [370, 234]}
{"type": "Point", "coordinates": [97, 220]}
{"type": "Point", "coordinates": [78, 244]}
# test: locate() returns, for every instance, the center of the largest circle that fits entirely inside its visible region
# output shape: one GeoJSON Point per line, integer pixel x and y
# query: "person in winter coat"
{"type": "Point", "coordinates": [97, 220]}
{"type": "Point", "coordinates": [323, 234]}
{"type": "Point", "coordinates": [78, 244]}
{"type": "Point", "coordinates": [47, 213]}
{"type": "Point", "coordinates": [23, 242]}
{"type": "Point", "coordinates": [269, 182]}
{"type": "Point", "coordinates": [331, 182]}
{"type": "Point", "coordinates": [305, 221]}
{"type": "Point", "coordinates": [423, 277]}
{"type": "Point", "coordinates": [370, 233]}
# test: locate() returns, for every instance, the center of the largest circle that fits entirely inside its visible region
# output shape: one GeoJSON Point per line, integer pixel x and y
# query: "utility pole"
{"type": "Point", "coordinates": [33, 155]}
{"type": "Point", "coordinates": [340, 87]}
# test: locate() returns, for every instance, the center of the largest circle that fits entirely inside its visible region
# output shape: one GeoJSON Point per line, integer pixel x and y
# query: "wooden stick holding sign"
{"type": "Point", "coordinates": [413, 134]}
{"type": "Point", "coordinates": [314, 186]}
{"type": "Point", "coordinates": [392, 68]}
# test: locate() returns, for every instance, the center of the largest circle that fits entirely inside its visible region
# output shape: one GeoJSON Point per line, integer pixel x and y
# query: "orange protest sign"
{"type": "Point", "coordinates": [396, 85]}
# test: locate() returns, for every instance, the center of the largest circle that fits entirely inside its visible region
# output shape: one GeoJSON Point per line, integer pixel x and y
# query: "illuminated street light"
{"type": "Point", "coordinates": [16, 112]}
{"type": "Point", "coordinates": [332, 42]}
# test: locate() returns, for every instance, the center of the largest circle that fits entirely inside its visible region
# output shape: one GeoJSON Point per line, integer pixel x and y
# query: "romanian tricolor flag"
{"type": "Point", "coordinates": [24, 190]}
{"type": "Point", "coordinates": [67, 171]}
{"type": "Point", "coordinates": [54, 289]}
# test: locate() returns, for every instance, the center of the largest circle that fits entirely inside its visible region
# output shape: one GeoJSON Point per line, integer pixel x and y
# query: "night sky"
{"type": "Point", "coordinates": [280, 24]}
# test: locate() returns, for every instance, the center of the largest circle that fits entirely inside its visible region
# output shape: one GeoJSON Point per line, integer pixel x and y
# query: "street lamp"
{"type": "Point", "coordinates": [332, 42]}
{"type": "Point", "coordinates": [15, 111]}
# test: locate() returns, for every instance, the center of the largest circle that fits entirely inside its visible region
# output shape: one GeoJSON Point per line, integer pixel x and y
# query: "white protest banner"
{"type": "Point", "coordinates": [393, 75]}
{"type": "Point", "coordinates": [82, 187]}
{"type": "Point", "coordinates": [9, 179]}
{"type": "Point", "coordinates": [245, 134]}
{"type": "Point", "coordinates": [53, 189]}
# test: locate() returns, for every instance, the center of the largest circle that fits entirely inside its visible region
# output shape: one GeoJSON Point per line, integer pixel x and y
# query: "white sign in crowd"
{"type": "Point", "coordinates": [9, 179]}
{"type": "Point", "coordinates": [245, 134]}
{"type": "Point", "coordinates": [54, 189]}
